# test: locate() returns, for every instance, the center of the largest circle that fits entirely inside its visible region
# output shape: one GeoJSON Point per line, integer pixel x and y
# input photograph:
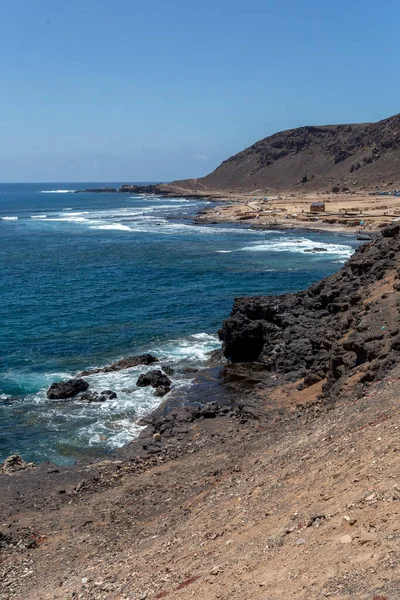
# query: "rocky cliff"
{"type": "Point", "coordinates": [356, 156]}
{"type": "Point", "coordinates": [342, 331]}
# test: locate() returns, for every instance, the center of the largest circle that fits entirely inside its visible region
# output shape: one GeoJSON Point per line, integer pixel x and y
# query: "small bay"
{"type": "Point", "coordinates": [87, 279]}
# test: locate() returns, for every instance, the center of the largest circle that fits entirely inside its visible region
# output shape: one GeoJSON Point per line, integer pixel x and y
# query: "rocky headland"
{"type": "Point", "coordinates": [280, 480]}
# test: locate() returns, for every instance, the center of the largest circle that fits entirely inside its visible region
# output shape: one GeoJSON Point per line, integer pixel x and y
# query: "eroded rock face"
{"type": "Point", "coordinates": [156, 378]}
{"type": "Point", "coordinates": [342, 326]}
{"type": "Point", "coordinates": [14, 463]}
{"type": "Point", "coordinates": [67, 389]}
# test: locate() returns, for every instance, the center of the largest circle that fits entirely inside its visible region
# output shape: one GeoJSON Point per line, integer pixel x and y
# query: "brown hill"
{"type": "Point", "coordinates": [359, 156]}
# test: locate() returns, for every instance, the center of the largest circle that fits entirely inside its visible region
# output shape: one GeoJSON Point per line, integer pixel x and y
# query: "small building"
{"type": "Point", "coordinates": [317, 207]}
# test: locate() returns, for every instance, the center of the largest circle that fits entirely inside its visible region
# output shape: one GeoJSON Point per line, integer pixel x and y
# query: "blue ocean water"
{"type": "Point", "coordinates": [89, 278]}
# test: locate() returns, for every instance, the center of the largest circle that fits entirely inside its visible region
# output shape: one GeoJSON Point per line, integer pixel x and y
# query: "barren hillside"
{"type": "Point", "coordinates": [357, 156]}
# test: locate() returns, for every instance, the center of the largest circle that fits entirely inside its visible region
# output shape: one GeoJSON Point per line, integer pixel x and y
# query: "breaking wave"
{"type": "Point", "coordinates": [57, 191]}
{"type": "Point", "coordinates": [301, 245]}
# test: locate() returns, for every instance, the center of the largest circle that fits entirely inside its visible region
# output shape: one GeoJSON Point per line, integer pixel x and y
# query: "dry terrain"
{"type": "Point", "coordinates": [343, 212]}
{"type": "Point", "coordinates": [300, 504]}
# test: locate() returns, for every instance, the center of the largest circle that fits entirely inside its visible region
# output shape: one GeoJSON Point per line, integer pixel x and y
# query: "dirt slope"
{"type": "Point", "coordinates": [356, 156]}
{"type": "Point", "coordinates": [302, 508]}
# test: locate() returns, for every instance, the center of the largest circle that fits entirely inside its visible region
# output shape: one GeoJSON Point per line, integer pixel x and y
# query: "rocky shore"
{"type": "Point", "coordinates": [279, 480]}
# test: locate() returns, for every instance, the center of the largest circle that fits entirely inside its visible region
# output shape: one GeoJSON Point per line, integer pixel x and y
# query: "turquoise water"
{"type": "Point", "coordinates": [89, 278]}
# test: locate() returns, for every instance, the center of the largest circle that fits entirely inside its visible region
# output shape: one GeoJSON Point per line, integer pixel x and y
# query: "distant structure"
{"type": "Point", "coordinates": [317, 207]}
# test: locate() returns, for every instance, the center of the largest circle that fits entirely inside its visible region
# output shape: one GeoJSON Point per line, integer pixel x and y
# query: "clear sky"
{"type": "Point", "coordinates": [152, 90]}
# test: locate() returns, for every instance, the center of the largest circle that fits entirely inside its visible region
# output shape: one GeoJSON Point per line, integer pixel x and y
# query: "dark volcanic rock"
{"type": "Point", "coordinates": [168, 369]}
{"type": "Point", "coordinates": [313, 250]}
{"type": "Point", "coordinates": [162, 390]}
{"type": "Point", "coordinates": [156, 379]}
{"type": "Point", "coordinates": [90, 397]}
{"type": "Point", "coordinates": [67, 389]}
{"type": "Point", "coordinates": [124, 363]}
{"type": "Point", "coordinates": [330, 331]}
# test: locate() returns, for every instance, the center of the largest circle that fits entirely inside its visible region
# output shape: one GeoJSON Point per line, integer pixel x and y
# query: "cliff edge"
{"type": "Point", "coordinates": [342, 332]}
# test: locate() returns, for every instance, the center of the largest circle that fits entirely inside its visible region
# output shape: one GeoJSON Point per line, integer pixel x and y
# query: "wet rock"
{"type": "Point", "coordinates": [109, 394]}
{"type": "Point", "coordinates": [90, 397]}
{"type": "Point", "coordinates": [168, 369]}
{"type": "Point", "coordinates": [67, 389]}
{"type": "Point", "coordinates": [215, 358]}
{"type": "Point", "coordinates": [125, 363]}
{"type": "Point", "coordinates": [313, 250]}
{"type": "Point", "coordinates": [162, 391]}
{"type": "Point", "coordinates": [154, 378]}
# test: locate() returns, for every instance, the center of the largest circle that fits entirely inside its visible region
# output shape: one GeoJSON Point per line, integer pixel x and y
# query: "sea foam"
{"type": "Point", "coordinates": [301, 245]}
{"type": "Point", "coordinates": [57, 191]}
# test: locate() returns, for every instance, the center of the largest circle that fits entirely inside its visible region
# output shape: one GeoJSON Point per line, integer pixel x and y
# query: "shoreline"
{"type": "Point", "coordinates": [215, 501]}
{"type": "Point", "coordinates": [105, 452]}
{"type": "Point", "coordinates": [351, 212]}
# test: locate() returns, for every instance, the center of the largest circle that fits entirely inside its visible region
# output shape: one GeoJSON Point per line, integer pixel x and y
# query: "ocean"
{"type": "Point", "coordinates": [87, 279]}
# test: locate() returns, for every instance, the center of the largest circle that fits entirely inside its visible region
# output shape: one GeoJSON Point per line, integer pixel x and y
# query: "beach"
{"type": "Point", "coordinates": [344, 213]}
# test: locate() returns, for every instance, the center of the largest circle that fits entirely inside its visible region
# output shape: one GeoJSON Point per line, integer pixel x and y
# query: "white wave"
{"type": "Point", "coordinates": [8, 218]}
{"type": "Point", "coordinates": [112, 423]}
{"type": "Point", "coordinates": [57, 191]}
{"type": "Point", "coordinates": [302, 245]}
{"type": "Point", "coordinates": [38, 216]}
{"type": "Point", "coordinates": [72, 220]}
{"type": "Point", "coordinates": [223, 251]}
{"type": "Point", "coordinates": [77, 214]}
{"type": "Point", "coordinates": [111, 226]}
{"type": "Point", "coordinates": [194, 348]}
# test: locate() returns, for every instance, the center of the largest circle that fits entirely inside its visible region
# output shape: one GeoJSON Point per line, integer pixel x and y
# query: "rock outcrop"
{"type": "Point", "coordinates": [67, 389]}
{"type": "Point", "coordinates": [124, 363]}
{"type": "Point", "coordinates": [14, 463]}
{"type": "Point", "coordinates": [157, 379]}
{"type": "Point", "coordinates": [345, 327]}
{"type": "Point", "coordinates": [90, 397]}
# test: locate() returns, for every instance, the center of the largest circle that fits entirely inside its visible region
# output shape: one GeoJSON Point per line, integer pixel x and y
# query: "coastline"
{"type": "Point", "coordinates": [214, 500]}
{"type": "Point", "coordinates": [344, 212]}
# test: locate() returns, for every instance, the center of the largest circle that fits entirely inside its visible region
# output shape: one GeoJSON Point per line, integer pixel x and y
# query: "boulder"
{"type": "Point", "coordinates": [67, 389]}
{"type": "Point", "coordinates": [154, 378]}
{"type": "Point", "coordinates": [14, 463]}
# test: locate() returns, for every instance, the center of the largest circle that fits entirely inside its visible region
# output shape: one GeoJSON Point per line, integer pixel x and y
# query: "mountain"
{"type": "Point", "coordinates": [359, 156]}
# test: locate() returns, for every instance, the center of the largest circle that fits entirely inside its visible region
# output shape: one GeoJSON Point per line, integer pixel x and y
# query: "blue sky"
{"type": "Point", "coordinates": [122, 90]}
